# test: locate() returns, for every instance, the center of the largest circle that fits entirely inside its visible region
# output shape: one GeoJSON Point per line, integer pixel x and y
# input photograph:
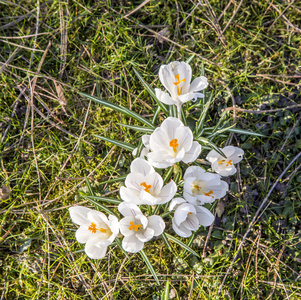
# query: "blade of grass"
{"type": "Point", "coordinates": [103, 207]}
{"type": "Point", "coordinates": [247, 132]}
{"type": "Point", "coordinates": [181, 244]}
{"type": "Point", "coordinates": [120, 108]}
{"type": "Point", "coordinates": [117, 143]}
{"type": "Point", "coordinates": [165, 293]}
{"type": "Point", "coordinates": [151, 91]}
{"type": "Point", "coordinates": [213, 146]}
{"type": "Point", "coordinates": [149, 265]}
{"type": "Point", "coordinates": [105, 199]}
{"type": "Point", "coordinates": [136, 128]}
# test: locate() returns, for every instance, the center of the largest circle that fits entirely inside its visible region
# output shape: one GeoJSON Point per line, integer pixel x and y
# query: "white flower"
{"type": "Point", "coordinates": [172, 142]}
{"type": "Point", "coordinates": [176, 77]}
{"type": "Point", "coordinates": [222, 166]}
{"type": "Point", "coordinates": [203, 187]}
{"type": "Point", "coordinates": [189, 217]}
{"type": "Point", "coordinates": [145, 186]}
{"type": "Point", "coordinates": [137, 228]}
{"type": "Point", "coordinates": [96, 231]}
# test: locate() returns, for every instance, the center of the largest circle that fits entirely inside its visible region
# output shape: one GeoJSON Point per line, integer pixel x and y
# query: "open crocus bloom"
{"type": "Point", "coordinates": [96, 230]}
{"type": "Point", "coordinates": [203, 187]}
{"type": "Point", "coordinates": [176, 78]}
{"type": "Point", "coordinates": [145, 186]}
{"type": "Point", "coordinates": [189, 217]}
{"type": "Point", "coordinates": [137, 228]}
{"type": "Point", "coordinates": [172, 142]}
{"type": "Point", "coordinates": [225, 166]}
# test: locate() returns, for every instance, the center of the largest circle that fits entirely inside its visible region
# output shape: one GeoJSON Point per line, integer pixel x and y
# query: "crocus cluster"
{"type": "Point", "coordinates": [145, 191]}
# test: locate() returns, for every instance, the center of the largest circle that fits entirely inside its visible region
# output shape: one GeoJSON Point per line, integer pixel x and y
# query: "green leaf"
{"type": "Point", "coordinates": [156, 115]}
{"type": "Point", "coordinates": [105, 199]}
{"type": "Point", "coordinates": [89, 186]}
{"type": "Point", "coordinates": [101, 206]}
{"type": "Point", "coordinates": [181, 244]}
{"type": "Point", "coordinates": [117, 143]}
{"type": "Point", "coordinates": [151, 91]}
{"type": "Point", "coordinates": [149, 265]}
{"type": "Point", "coordinates": [220, 131]}
{"type": "Point", "coordinates": [213, 146]}
{"type": "Point", "coordinates": [121, 178]}
{"type": "Point", "coordinates": [165, 293]}
{"type": "Point", "coordinates": [247, 132]}
{"type": "Point", "coordinates": [166, 242]}
{"type": "Point", "coordinates": [120, 108]}
{"type": "Point", "coordinates": [137, 128]}
{"type": "Point", "coordinates": [203, 115]}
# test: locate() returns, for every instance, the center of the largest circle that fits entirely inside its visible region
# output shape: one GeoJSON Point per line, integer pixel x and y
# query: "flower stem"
{"type": "Point", "coordinates": [179, 105]}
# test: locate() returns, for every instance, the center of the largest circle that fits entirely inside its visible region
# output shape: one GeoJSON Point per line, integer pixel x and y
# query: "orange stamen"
{"type": "Point", "coordinates": [179, 89]}
{"type": "Point", "coordinates": [135, 227]}
{"type": "Point", "coordinates": [208, 194]}
{"type": "Point", "coordinates": [147, 187]}
{"type": "Point", "coordinates": [93, 228]}
{"type": "Point", "coordinates": [229, 163]}
{"type": "Point", "coordinates": [174, 144]}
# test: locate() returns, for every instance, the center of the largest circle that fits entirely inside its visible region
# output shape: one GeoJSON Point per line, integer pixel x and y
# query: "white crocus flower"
{"type": "Point", "coordinates": [136, 228]}
{"type": "Point", "coordinates": [96, 230]}
{"type": "Point", "coordinates": [172, 142]}
{"type": "Point", "coordinates": [145, 150]}
{"type": "Point", "coordinates": [145, 186]}
{"type": "Point", "coordinates": [189, 217]}
{"type": "Point", "coordinates": [225, 166]}
{"type": "Point", "coordinates": [176, 77]}
{"type": "Point", "coordinates": [203, 187]}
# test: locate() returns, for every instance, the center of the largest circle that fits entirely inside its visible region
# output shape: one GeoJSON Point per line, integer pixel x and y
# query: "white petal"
{"type": "Point", "coordinates": [184, 137]}
{"type": "Point", "coordinates": [194, 171]}
{"type": "Point", "coordinates": [79, 214]}
{"type": "Point", "coordinates": [98, 217]}
{"type": "Point", "coordinates": [156, 182]}
{"type": "Point", "coordinates": [190, 198]}
{"type": "Point", "coordinates": [186, 97]}
{"type": "Point", "coordinates": [159, 140]}
{"type": "Point", "coordinates": [193, 153]}
{"type": "Point", "coordinates": [167, 192]}
{"type": "Point", "coordinates": [198, 84]}
{"type": "Point", "coordinates": [82, 235]}
{"type": "Point", "coordinates": [129, 209]}
{"type": "Point", "coordinates": [167, 78]}
{"type": "Point", "coordinates": [164, 97]}
{"type": "Point", "coordinates": [191, 222]}
{"type": "Point", "coordinates": [133, 181]}
{"type": "Point", "coordinates": [147, 198]}
{"type": "Point", "coordinates": [170, 126]}
{"type": "Point", "coordinates": [145, 140]}
{"type": "Point", "coordinates": [212, 156]}
{"type": "Point", "coordinates": [132, 244]}
{"type": "Point", "coordinates": [114, 225]}
{"type": "Point", "coordinates": [197, 95]}
{"type": "Point", "coordinates": [237, 156]}
{"type": "Point", "coordinates": [157, 224]}
{"type": "Point", "coordinates": [93, 251]}
{"type": "Point", "coordinates": [204, 216]}
{"type": "Point", "coordinates": [130, 195]}
{"type": "Point", "coordinates": [184, 71]}
{"type": "Point", "coordinates": [145, 235]}
{"type": "Point", "coordinates": [180, 230]}
{"type": "Point", "coordinates": [175, 202]}
{"type": "Point", "coordinates": [182, 212]}
{"type": "Point", "coordinates": [141, 166]}
{"type": "Point", "coordinates": [161, 159]}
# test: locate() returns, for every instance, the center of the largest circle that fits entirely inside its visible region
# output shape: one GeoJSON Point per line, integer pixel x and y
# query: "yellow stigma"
{"type": "Point", "coordinates": [179, 89]}
{"type": "Point", "coordinates": [174, 144]}
{"type": "Point", "coordinates": [93, 228]}
{"type": "Point", "coordinates": [133, 226]}
{"type": "Point", "coordinates": [208, 194]}
{"type": "Point", "coordinates": [146, 187]}
{"type": "Point", "coordinates": [229, 162]}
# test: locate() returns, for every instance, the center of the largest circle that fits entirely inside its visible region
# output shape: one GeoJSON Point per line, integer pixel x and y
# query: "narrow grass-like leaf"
{"type": "Point", "coordinates": [121, 178]}
{"type": "Point", "coordinates": [247, 132]}
{"type": "Point", "coordinates": [165, 293]}
{"type": "Point", "coordinates": [118, 242]}
{"type": "Point", "coordinates": [213, 146]}
{"type": "Point", "coordinates": [220, 131]}
{"type": "Point", "coordinates": [183, 245]}
{"type": "Point", "coordinates": [116, 142]}
{"type": "Point", "coordinates": [150, 91]}
{"type": "Point", "coordinates": [105, 199]}
{"type": "Point", "coordinates": [189, 242]}
{"type": "Point", "coordinates": [89, 186]}
{"type": "Point", "coordinates": [156, 115]}
{"type": "Point", "coordinates": [101, 206]}
{"type": "Point", "coordinates": [137, 128]}
{"type": "Point", "coordinates": [202, 117]}
{"type": "Point", "coordinates": [149, 265]}
{"type": "Point", "coordinates": [166, 242]}
{"type": "Point", "coordinates": [120, 108]}
{"type": "Point", "coordinates": [168, 174]}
